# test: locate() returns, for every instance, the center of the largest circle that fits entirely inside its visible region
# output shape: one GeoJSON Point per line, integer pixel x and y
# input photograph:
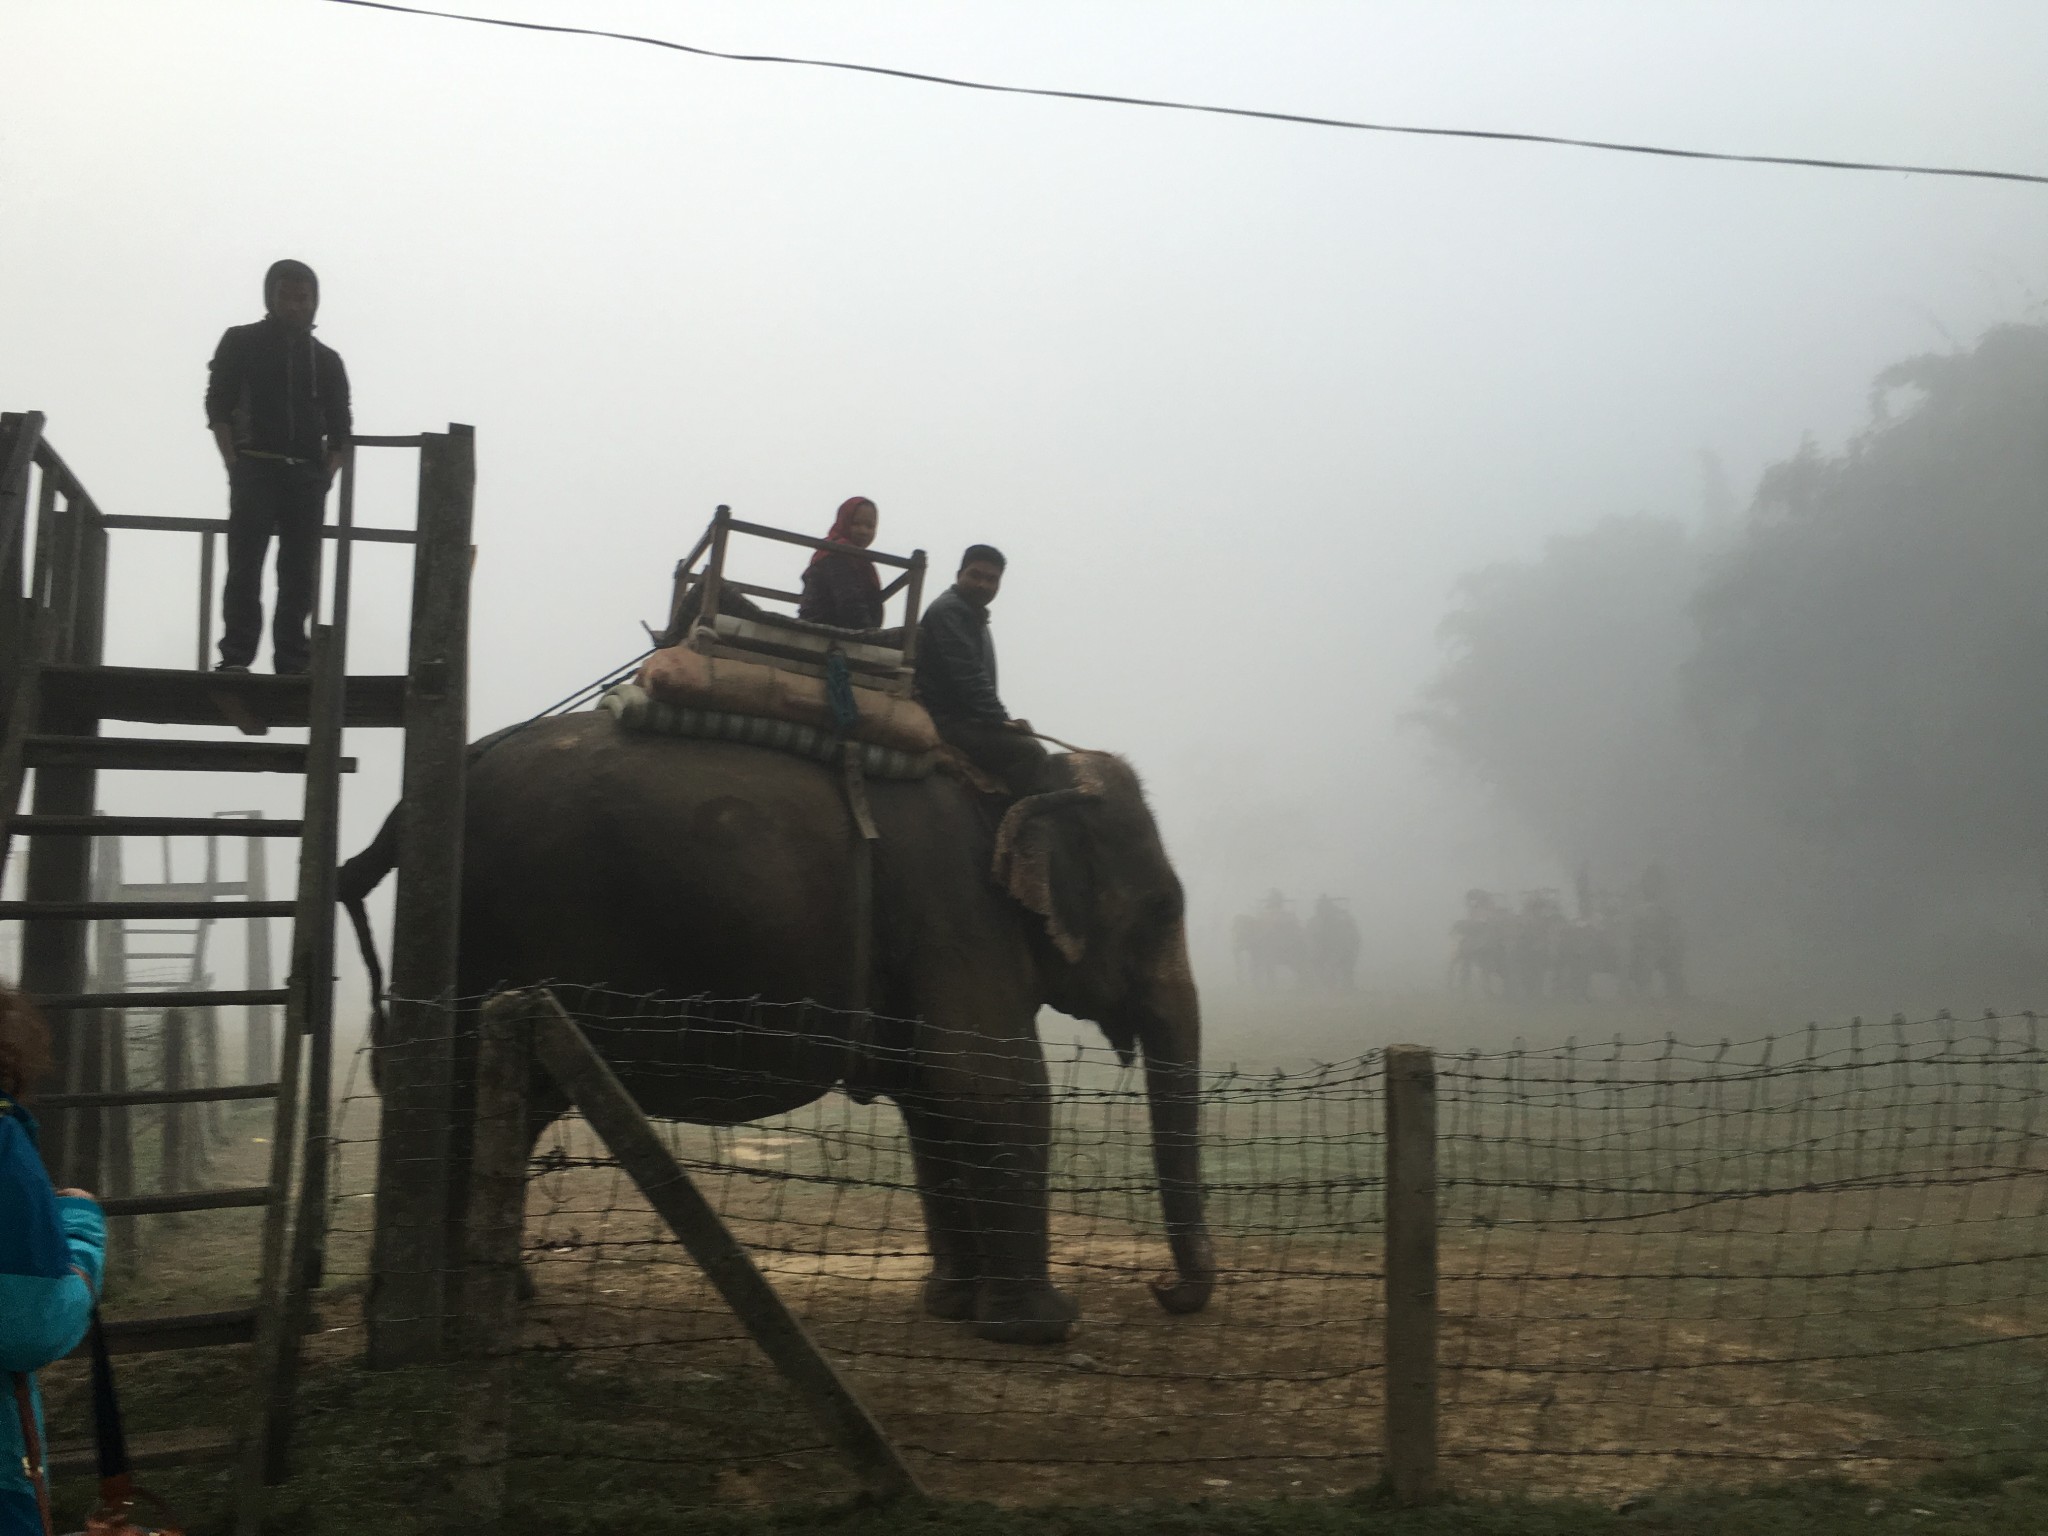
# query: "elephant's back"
{"type": "Point", "coordinates": [598, 856]}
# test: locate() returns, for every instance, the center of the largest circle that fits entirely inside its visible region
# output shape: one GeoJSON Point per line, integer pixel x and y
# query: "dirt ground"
{"type": "Point", "coordinates": [1590, 1358]}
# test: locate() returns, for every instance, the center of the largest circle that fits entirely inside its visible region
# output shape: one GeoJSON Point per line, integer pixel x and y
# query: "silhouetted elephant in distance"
{"type": "Point", "coordinates": [647, 864]}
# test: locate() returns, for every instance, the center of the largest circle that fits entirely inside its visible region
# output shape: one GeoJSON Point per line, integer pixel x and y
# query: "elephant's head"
{"type": "Point", "coordinates": [1087, 858]}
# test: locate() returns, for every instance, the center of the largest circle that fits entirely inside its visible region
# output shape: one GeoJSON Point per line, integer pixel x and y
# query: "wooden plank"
{"type": "Point", "coordinates": [219, 524]}
{"type": "Point", "coordinates": [149, 826]}
{"type": "Point", "coordinates": [784, 536]}
{"type": "Point", "coordinates": [363, 441]}
{"type": "Point", "coordinates": [410, 1246]}
{"type": "Point", "coordinates": [157, 755]}
{"type": "Point", "coordinates": [231, 999]}
{"type": "Point", "coordinates": [1411, 1278]}
{"type": "Point", "coordinates": [236, 1198]}
{"type": "Point", "coordinates": [489, 1333]}
{"type": "Point", "coordinates": [53, 911]}
{"type": "Point", "coordinates": [150, 1334]}
{"type": "Point", "coordinates": [594, 1089]}
{"type": "Point", "coordinates": [234, 998]}
{"type": "Point", "coordinates": [808, 641]}
{"type": "Point", "coordinates": [174, 696]}
{"type": "Point", "coordinates": [173, 1448]}
{"type": "Point", "coordinates": [130, 1098]}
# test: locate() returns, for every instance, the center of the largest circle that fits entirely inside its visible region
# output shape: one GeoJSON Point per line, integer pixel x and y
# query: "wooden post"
{"type": "Point", "coordinates": [259, 1042]}
{"type": "Point", "coordinates": [313, 958]}
{"type": "Point", "coordinates": [594, 1089]}
{"type": "Point", "coordinates": [1411, 1273]}
{"type": "Point", "coordinates": [53, 950]}
{"type": "Point", "coordinates": [110, 974]}
{"type": "Point", "coordinates": [205, 599]}
{"type": "Point", "coordinates": [281, 1301]}
{"type": "Point", "coordinates": [175, 1165]}
{"type": "Point", "coordinates": [714, 568]}
{"type": "Point", "coordinates": [488, 1337]}
{"type": "Point", "coordinates": [913, 606]}
{"type": "Point", "coordinates": [405, 1308]}
{"type": "Point", "coordinates": [20, 434]}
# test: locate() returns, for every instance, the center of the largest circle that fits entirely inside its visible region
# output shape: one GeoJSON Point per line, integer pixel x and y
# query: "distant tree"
{"type": "Point", "coordinates": [1833, 721]}
{"type": "Point", "coordinates": [1560, 686]}
{"type": "Point", "coordinates": [1873, 658]}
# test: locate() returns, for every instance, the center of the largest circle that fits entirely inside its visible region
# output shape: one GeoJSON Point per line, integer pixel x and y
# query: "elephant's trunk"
{"type": "Point", "coordinates": [1171, 1036]}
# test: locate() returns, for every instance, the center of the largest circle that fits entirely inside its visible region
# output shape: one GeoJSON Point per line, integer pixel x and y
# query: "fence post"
{"type": "Point", "coordinates": [416, 1231]}
{"type": "Point", "coordinates": [1411, 1273]}
{"type": "Point", "coordinates": [488, 1319]}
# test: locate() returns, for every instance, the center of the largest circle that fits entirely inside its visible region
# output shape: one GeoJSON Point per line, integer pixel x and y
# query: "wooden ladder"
{"type": "Point", "coordinates": [56, 694]}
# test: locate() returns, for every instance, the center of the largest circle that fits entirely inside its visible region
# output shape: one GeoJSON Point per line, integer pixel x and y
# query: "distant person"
{"type": "Point", "coordinates": [277, 405]}
{"type": "Point", "coordinates": [844, 590]}
{"type": "Point", "coordinates": [52, 1245]}
{"type": "Point", "coordinates": [956, 676]}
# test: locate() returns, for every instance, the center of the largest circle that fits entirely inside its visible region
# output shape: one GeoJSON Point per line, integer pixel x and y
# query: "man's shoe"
{"type": "Point", "coordinates": [289, 671]}
{"type": "Point", "coordinates": [233, 668]}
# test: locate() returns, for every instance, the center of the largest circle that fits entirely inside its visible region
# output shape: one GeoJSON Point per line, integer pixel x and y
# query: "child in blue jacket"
{"type": "Point", "coordinates": [52, 1245]}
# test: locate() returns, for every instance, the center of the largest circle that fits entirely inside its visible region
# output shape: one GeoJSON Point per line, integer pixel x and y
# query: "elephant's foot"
{"type": "Point", "coordinates": [949, 1297]}
{"type": "Point", "coordinates": [1024, 1314]}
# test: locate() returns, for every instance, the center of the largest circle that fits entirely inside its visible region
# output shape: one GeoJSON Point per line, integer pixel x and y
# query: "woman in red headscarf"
{"type": "Point", "coordinates": [843, 590]}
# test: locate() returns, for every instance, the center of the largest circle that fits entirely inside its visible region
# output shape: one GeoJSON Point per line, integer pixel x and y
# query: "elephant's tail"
{"type": "Point", "coordinates": [357, 878]}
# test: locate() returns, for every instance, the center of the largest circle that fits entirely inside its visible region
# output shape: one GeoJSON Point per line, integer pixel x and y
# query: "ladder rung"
{"type": "Point", "coordinates": [147, 1334]}
{"type": "Point", "coordinates": [152, 826]}
{"type": "Point", "coordinates": [194, 1200]}
{"type": "Point", "coordinates": [136, 1097]}
{"type": "Point", "coordinates": [148, 752]}
{"type": "Point", "coordinates": [244, 999]}
{"type": "Point", "coordinates": [145, 890]}
{"type": "Point", "coordinates": [170, 1448]}
{"type": "Point", "coordinates": [100, 911]}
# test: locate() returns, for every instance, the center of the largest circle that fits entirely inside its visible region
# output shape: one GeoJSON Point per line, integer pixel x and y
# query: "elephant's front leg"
{"type": "Point", "coordinates": [987, 1113]}
{"type": "Point", "coordinates": [944, 1188]}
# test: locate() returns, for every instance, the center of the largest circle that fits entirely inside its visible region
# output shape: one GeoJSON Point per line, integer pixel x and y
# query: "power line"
{"type": "Point", "coordinates": [1497, 135]}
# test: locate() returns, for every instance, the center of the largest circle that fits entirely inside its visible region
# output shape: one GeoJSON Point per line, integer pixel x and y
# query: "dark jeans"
{"type": "Point", "coordinates": [1011, 757]}
{"type": "Point", "coordinates": [266, 497]}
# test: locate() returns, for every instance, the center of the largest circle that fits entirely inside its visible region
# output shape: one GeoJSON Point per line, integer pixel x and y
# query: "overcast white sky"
{"type": "Point", "coordinates": [1240, 400]}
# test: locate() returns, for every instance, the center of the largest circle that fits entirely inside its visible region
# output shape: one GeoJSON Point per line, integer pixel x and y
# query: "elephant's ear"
{"type": "Point", "coordinates": [1043, 865]}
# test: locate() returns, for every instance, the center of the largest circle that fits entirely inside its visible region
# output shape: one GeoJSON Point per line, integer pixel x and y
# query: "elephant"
{"type": "Point", "coordinates": [594, 855]}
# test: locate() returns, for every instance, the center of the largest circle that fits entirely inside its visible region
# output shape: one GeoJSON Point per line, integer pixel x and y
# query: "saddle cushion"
{"type": "Point", "coordinates": [682, 676]}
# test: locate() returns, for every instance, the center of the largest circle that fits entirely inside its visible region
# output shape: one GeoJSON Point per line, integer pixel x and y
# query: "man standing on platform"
{"type": "Point", "coordinates": [956, 676]}
{"type": "Point", "coordinates": [277, 405]}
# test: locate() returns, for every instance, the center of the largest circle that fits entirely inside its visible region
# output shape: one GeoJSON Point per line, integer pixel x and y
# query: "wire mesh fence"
{"type": "Point", "coordinates": [1657, 1260]}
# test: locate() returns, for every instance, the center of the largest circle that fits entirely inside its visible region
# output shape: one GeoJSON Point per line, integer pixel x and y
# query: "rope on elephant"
{"type": "Point", "coordinates": [1824, 1250]}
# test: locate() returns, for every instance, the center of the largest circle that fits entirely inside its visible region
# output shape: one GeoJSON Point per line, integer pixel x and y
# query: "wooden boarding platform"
{"type": "Point", "coordinates": [55, 693]}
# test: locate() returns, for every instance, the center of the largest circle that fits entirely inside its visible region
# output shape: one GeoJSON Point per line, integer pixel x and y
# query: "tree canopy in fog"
{"type": "Point", "coordinates": [1829, 720]}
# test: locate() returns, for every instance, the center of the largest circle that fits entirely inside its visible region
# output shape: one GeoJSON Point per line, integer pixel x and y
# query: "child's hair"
{"type": "Point", "coordinates": [24, 1042]}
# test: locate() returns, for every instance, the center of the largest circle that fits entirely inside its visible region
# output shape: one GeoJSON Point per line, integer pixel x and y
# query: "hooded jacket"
{"type": "Point", "coordinates": [51, 1253]}
{"type": "Point", "coordinates": [280, 390]}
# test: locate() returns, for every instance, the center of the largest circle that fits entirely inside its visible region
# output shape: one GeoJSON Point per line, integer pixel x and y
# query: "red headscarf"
{"type": "Point", "coordinates": [837, 534]}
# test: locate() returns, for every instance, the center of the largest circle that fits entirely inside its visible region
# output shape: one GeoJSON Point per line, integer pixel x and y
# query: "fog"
{"type": "Point", "coordinates": [1244, 403]}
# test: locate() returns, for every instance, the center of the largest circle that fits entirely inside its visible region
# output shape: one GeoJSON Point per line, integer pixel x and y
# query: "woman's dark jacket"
{"type": "Point", "coordinates": [840, 590]}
